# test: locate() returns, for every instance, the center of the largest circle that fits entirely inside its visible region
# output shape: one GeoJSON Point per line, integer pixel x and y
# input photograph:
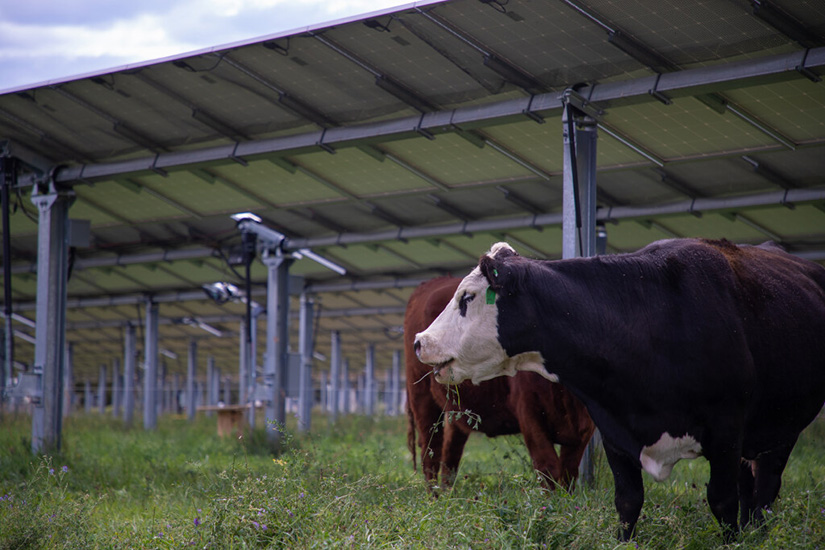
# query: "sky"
{"type": "Point", "coordinates": [43, 40]}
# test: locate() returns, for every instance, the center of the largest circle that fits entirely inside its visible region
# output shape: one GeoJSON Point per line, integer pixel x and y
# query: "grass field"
{"type": "Point", "coordinates": [348, 486]}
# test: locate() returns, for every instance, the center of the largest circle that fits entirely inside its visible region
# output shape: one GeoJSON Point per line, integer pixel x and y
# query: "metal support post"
{"type": "Point", "coordinates": [117, 392]}
{"type": "Point", "coordinates": [87, 396]}
{"type": "Point", "coordinates": [191, 367]}
{"type": "Point", "coordinates": [579, 213]}
{"type": "Point", "coordinates": [345, 404]}
{"type": "Point", "coordinates": [277, 339]}
{"type": "Point", "coordinates": [101, 390]}
{"type": "Point", "coordinates": [211, 396]}
{"type": "Point", "coordinates": [150, 371]}
{"type": "Point", "coordinates": [369, 382]}
{"type": "Point", "coordinates": [395, 384]}
{"type": "Point", "coordinates": [305, 337]}
{"type": "Point", "coordinates": [252, 379]}
{"type": "Point", "coordinates": [9, 180]}
{"type": "Point", "coordinates": [244, 356]}
{"type": "Point", "coordinates": [50, 351]}
{"type": "Point", "coordinates": [129, 357]}
{"type": "Point", "coordinates": [579, 208]}
{"type": "Point", "coordinates": [335, 376]}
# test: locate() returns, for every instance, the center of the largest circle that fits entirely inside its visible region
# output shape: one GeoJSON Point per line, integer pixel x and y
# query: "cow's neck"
{"type": "Point", "coordinates": [569, 307]}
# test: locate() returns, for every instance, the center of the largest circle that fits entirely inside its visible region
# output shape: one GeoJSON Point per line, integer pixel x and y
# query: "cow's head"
{"type": "Point", "coordinates": [462, 343]}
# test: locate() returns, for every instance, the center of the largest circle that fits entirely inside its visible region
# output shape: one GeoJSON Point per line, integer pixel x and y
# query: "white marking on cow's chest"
{"type": "Point", "coordinates": [659, 458]}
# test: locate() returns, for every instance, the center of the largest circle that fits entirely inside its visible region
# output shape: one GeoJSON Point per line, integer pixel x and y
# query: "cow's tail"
{"type": "Point", "coordinates": [411, 434]}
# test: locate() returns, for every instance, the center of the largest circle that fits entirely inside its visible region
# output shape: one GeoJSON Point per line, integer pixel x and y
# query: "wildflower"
{"type": "Point", "coordinates": [255, 523]}
{"type": "Point", "coordinates": [197, 521]}
{"type": "Point", "coordinates": [301, 495]}
{"type": "Point", "coordinates": [263, 527]}
{"type": "Point", "coordinates": [65, 469]}
{"type": "Point", "coordinates": [51, 471]}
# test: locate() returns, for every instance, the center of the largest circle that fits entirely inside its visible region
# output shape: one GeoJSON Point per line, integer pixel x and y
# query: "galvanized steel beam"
{"type": "Point", "coordinates": [688, 82]}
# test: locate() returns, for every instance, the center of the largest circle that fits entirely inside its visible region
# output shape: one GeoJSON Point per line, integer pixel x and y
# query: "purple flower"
{"type": "Point", "coordinates": [263, 527]}
{"type": "Point", "coordinates": [51, 471]}
{"type": "Point", "coordinates": [197, 521]}
{"type": "Point", "coordinates": [301, 495]}
{"type": "Point", "coordinates": [255, 523]}
{"type": "Point", "coordinates": [65, 469]}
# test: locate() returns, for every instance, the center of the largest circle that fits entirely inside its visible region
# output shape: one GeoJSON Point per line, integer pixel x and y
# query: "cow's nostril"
{"type": "Point", "coordinates": [416, 346]}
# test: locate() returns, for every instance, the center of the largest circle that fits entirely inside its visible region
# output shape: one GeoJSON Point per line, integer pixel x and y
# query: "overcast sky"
{"type": "Point", "coordinates": [42, 40]}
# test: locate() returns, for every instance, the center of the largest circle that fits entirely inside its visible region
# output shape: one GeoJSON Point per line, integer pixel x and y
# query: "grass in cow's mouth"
{"type": "Point", "coordinates": [438, 366]}
{"type": "Point", "coordinates": [349, 485]}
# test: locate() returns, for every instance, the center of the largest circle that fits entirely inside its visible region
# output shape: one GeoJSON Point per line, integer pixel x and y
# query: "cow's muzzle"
{"type": "Point", "coordinates": [437, 366]}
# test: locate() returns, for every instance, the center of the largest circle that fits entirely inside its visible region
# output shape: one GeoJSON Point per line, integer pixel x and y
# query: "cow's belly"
{"type": "Point", "coordinates": [658, 459]}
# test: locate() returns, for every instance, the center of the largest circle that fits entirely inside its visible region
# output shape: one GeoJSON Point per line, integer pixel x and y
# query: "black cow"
{"type": "Point", "coordinates": [687, 347]}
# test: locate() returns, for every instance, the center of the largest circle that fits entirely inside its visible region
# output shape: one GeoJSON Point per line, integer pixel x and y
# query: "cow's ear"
{"type": "Point", "coordinates": [494, 270]}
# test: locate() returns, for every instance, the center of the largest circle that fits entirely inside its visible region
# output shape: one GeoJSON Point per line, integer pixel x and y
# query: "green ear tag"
{"type": "Point", "coordinates": [491, 296]}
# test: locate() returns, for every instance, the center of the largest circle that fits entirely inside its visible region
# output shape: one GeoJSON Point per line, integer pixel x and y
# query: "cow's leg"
{"type": "Point", "coordinates": [629, 490]}
{"type": "Point", "coordinates": [543, 453]}
{"type": "Point", "coordinates": [541, 448]}
{"type": "Point", "coordinates": [571, 457]}
{"type": "Point", "coordinates": [430, 439]}
{"type": "Point", "coordinates": [723, 494]}
{"type": "Point", "coordinates": [769, 468]}
{"type": "Point", "coordinates": [453, 447]}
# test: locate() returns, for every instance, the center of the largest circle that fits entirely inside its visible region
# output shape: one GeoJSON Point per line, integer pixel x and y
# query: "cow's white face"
{"type": "Point", "coordinates": [462, 343]}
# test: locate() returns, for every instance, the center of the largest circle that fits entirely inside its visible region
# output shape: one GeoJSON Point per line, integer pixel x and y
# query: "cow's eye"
{"type": "Point", "coordinates": [465, 299]}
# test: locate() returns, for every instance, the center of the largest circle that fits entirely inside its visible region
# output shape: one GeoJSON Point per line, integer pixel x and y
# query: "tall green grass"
{"type": "Point", "coordinates": [348, 486]}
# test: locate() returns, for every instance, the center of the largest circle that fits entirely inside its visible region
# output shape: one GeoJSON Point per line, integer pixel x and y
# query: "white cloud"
{"type": "Point", "coordinates": [143, 37]}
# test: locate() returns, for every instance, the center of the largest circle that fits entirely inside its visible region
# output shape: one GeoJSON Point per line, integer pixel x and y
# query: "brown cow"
{"type": "Point", "coordinates": [546, 413]}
